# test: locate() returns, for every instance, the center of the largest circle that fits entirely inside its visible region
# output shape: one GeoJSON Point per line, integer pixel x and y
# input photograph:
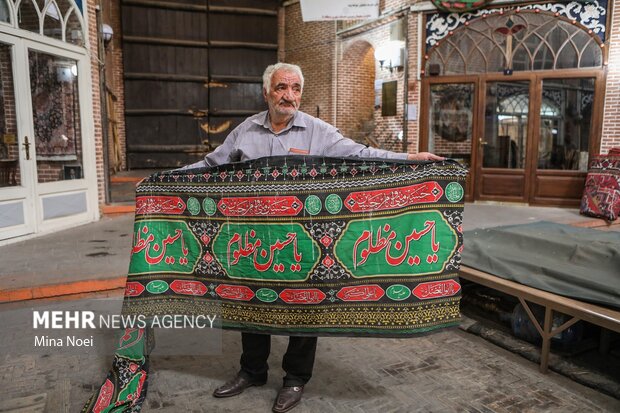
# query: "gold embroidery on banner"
{"type": "Point", "coordinates": [364, 317]}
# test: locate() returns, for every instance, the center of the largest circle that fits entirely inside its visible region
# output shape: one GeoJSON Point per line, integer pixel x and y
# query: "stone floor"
{"type": "Point", "coordinates": [450, 371]}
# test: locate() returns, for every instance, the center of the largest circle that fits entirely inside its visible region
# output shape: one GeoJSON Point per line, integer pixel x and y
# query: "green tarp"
{"type": "Point", "coordinates": [579, 263]}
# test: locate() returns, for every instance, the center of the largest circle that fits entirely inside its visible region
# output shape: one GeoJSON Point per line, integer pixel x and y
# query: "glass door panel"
{"type": "Point", "coordinates": [506, 121]}
{"type": "Point", "coordinates": [565, 121]}
{"type": "Point", "coordinates": [56, 117]}
{"type": "Point", "coordinates": [451, 121]}
{"type": "Point", "coordinates": [501, 162]}
{"type": "Point", "coordinates": [9, 147]}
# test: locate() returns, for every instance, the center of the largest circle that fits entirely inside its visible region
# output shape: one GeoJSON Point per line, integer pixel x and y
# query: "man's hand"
{"type": "Point", "coordinates": [424, 156]}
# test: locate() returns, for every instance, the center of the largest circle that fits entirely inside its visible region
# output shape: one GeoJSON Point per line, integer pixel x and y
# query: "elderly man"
{"type": "Point", "coordinates": [284, 130]}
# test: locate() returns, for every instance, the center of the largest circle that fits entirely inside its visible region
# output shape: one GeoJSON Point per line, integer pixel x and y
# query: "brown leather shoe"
{"type": "Point", "coordinates": [234, 387]}
{"type": "Point", "coordinates": [288, 397]}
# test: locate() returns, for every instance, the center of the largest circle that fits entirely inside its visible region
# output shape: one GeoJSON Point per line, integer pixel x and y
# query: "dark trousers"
{"type": "Point", "coordinates": [297, 362]}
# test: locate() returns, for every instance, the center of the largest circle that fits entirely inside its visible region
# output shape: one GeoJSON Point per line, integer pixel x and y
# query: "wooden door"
{"type": "Point", "coordinates": [535, 134]}
{"type": "Point", "coordinates": [567, 131]}
{"type": "Point", "coordinates": [192, 71]}
{"type": "Point", "coordinates": [503, 140]}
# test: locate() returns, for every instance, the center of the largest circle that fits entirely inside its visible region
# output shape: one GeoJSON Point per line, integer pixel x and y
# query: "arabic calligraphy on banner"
{"type": "Point", "coordinates": [429, 290]}
{"type": "Point", "coordinates": [279, 252]}
{"type": "Point", "coordinates": [302, 245]}
{"type": "Point", "coordinates": [260, 206]}
{"type": "Point", "coordinates": [417, 243]}
{"type": "Point", "coordinates": [172, 205]}
{"type": "Point", "coordinates": [163, 246]}
{"type": "Point", "coordinates": [385, 199]}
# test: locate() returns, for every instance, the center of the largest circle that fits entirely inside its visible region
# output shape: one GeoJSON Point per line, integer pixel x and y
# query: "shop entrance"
{"type": "Point", "coordinates": [525, 115]}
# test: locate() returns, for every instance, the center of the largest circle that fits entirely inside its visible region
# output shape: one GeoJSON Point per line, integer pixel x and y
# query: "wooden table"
{"type": "Point", "coordinates": [579, 310]}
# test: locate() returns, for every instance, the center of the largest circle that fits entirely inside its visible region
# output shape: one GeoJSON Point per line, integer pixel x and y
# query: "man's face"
{"type": "Point", "coordinates": [285, 94]}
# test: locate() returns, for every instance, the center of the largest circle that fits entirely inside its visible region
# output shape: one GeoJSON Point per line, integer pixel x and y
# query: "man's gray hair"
{"type": "Point", "coordinates": [271, 69]}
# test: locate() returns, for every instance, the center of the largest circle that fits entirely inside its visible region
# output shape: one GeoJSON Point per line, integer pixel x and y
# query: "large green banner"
{"type": "Point", "coordinates": [302, 245]}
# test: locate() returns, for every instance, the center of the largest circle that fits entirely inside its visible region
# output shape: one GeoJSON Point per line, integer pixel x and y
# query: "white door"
{"type": "Point", "coordinates": [47, 168]}
{"type": "Point", "coordinates": [61, 124]}
{"type": "Point", "coordinates": [17, 160]}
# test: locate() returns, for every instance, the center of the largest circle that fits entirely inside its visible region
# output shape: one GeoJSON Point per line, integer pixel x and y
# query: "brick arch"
{"type": "Point", "coordinates": [356, 83]}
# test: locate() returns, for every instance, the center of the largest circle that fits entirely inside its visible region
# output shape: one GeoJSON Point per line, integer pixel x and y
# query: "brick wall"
{"type": "Point", "coordinates": [386, 6]}
{"type": "Point", "coordinates": [96, 99]}
{"type": "Point", "coordinates": [28, 17]}
{"type": "Point", "coordinates": [312, 46]}
{"type": "Point", "coordinates": [610, 136]}
{"type": "Point", "coordinates": [449, 148]}
{"type": "Point", "coordinates": [8, 119]}
{"type": "Point", "coordinates": [355, 98]}
{"type": "Point", "coordinates": [73, 30]}
{"type": "Point", "coordinates": [386, 128]}
{"type": "Point", "coordinates": [414, 85]}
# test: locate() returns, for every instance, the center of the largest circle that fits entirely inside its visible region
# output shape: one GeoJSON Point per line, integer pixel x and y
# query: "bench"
{"type": "Point", "coordinates": [578, 310]}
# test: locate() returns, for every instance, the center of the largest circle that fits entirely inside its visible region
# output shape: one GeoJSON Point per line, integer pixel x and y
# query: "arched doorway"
{"type": "Point", "coordinates": [355, 96]}
{"type": "Point", "coordinates": [517, 97]}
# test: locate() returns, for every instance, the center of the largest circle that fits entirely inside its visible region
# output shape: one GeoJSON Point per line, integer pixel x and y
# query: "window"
{"type": "Point", "coordinates": [523, 41]}
{"type": "Point", "coordinates": [57, 19]}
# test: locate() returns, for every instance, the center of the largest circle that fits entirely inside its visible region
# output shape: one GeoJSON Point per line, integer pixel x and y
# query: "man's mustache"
{"type": "Point", "coordinates": [290, 102]}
